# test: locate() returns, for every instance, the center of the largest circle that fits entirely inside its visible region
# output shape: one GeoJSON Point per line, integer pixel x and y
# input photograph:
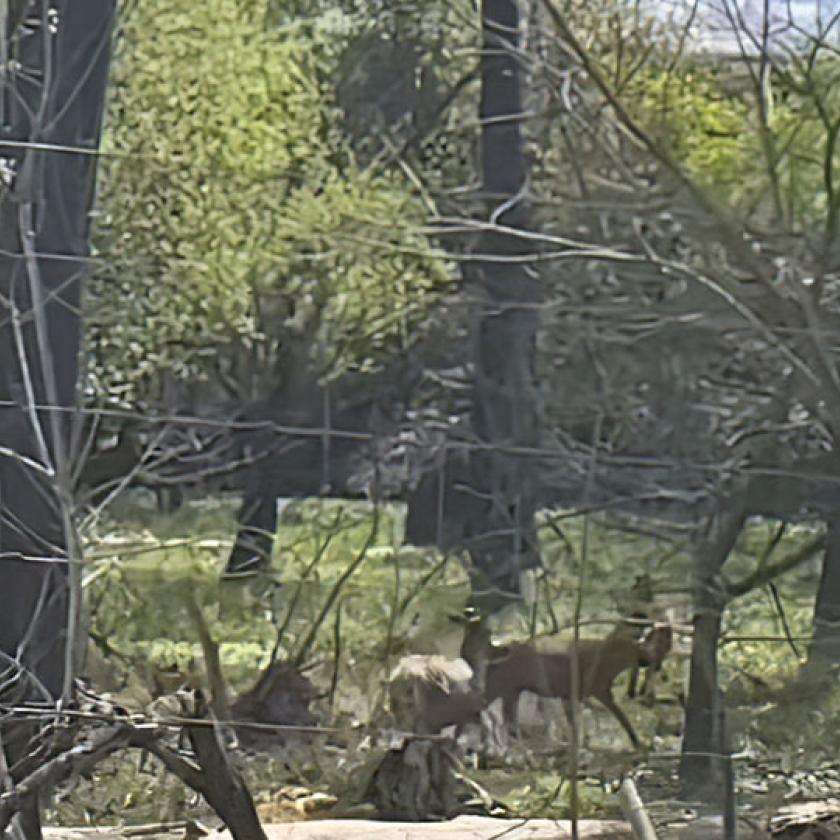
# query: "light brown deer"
{"type": "Point", "coordinates": [432, 692]}
{"type": "Point", "coordinates": [507, 671]}
{"type": "Point", "coordinates": [429, 693]}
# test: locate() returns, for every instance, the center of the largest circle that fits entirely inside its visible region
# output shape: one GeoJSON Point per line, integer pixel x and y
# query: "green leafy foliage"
{"type": "Point", "coordinates": [772, 163]}
{"type": "Point", "coordinates": [700, 125]}
{"type": "Point", "coordinates": [232, 213]}
{"type": "Point", "coordinates": [140, 582]}
{"type": "Point", "coordinates": [758, 136]}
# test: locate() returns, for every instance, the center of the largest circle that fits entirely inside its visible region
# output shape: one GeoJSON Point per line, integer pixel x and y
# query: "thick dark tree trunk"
{"type": "Point", "coordinates": [293, 466]}
{"type": "Point", "coordinates": [337, 449]}
{"type": "Point", "coordinates": [704, 770]}
{"type": "Point", "coordinates": [500, 534]}
{"type": "Point", "coordinates": [50, 117]}
{"type": "Point", "coordinates": [257, 520]}
{"type": "Point", "coordinates": [51, 114]}
{"type": "Point", "coordinates": [825, 645]}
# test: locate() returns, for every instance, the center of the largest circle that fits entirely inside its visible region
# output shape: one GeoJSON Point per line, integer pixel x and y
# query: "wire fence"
{"type": "Point", "coordinates": [653, 497]}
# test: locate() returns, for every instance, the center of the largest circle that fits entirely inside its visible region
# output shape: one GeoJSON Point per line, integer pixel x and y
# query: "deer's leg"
{"type": "Point", "coordinates": [609, 703]}
{"type": "Point", "coordinates": [510, 711]}
{"type": "Point", "coordinates": [493, 730]}
{"type": "Point", "coordinates": [633, 682]}
{"type": "Point", "coordinates": [647, 685]}
{"type": "Point", "coordinates": [567, 708]}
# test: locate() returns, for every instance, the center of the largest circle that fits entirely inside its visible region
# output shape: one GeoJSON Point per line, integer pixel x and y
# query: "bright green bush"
{"type": "Point", "coordinates": [233, 217]}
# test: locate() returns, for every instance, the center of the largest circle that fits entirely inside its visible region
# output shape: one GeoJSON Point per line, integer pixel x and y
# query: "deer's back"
{"type": "Point", "coordinates": [521, 667]}
{"type": "Point", "coordinates": [602, 660]}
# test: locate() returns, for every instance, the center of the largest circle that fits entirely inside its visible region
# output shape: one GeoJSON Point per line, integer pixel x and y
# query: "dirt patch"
{"type": "Point", "coordinates": [461, 828]}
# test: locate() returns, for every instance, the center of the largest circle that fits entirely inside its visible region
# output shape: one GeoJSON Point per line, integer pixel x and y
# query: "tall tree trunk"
{"type": "Point", "coordinates": [825, 645]}
{"type": "Point", "coordinates": [500, 534]}
{"type": "Point", "coordinates": [703, 768]}
{"type": "Point", "coordinates": [257, 521]}
{"type": "Point", "coordinates": [50, 116]}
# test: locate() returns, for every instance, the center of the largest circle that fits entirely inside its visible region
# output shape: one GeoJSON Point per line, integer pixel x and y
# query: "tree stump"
{"type": "Point", "coordinates": [418, 781]}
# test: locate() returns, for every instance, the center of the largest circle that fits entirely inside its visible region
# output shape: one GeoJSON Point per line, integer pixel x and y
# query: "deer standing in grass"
{"type": "Point", "coordinates": [506, 671]}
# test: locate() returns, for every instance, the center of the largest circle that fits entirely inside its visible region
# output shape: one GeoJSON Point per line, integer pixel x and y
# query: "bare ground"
{"type": "Point", "coordinates": [461, 828]}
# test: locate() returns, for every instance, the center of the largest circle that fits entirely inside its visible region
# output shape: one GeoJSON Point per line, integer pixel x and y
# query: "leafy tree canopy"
{"type": "Point", "coordinates": [767, 147]}
{"type": "Point", "coordinates": [234, 215]}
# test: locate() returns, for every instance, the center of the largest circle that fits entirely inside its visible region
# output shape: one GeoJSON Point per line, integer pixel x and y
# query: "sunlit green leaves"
{"type": "Point", "coordinates": [358, 265]}
{"type": "Point", "coordinates": [232, 212]}
{"type": "Point", "coordinates": [691, 117]}
{"type": "Point", "coordinates": [763, 148]}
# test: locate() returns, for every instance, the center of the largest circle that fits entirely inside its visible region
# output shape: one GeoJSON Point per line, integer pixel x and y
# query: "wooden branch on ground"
{"type": "Point", "coordinates": [634, 811]}
{"type": "Point", "coordinates": [76, 761]}
{"type": "Point", "coordinates": [211, 774]}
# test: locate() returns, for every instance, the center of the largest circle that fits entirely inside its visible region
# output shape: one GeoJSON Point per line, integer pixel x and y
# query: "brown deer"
{"type": "Point", "coordinates": [658, 645]}
{"type": "Point", "coordinates": [429, 693]}
{"type": "Point", "coordinates": [432, 692]}
{"type": "Point", "coordinates": [507, 671]}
